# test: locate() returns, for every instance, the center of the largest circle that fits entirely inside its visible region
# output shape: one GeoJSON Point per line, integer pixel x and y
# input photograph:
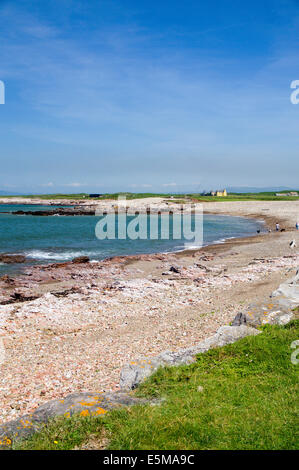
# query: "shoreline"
{"type": "Point", "coordinates": [35, 262]}
{"type": "Point", "coordinates": [78, 324]}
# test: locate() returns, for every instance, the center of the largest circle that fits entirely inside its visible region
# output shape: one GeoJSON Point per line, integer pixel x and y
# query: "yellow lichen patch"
{"type": "Point", "coordinates": [67, 414]}
{"type": "Point", "coordinates": [86, 403]}
{"type": "Point", "coordinates": [84, 413]}
{"type": "Point", "coordinates": [26, 423]}
{"type": "Point", "coordinates": [5, 441]}
{"type": "Point", "coordinates": [100, 411]}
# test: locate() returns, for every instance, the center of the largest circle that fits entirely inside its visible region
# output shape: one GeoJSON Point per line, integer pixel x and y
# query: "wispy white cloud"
{"type": "Point", "coordinates": [74, 185]}
{"type": "Point", "coordinates": [141, 185]}
{"type": "Point", "coordinates": [47, 185]}
{"type": "Point", "coordinates": [110, 104]}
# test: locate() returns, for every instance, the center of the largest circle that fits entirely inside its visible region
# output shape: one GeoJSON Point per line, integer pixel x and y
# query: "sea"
{"type": "Point", "coordinates": [52, 239]}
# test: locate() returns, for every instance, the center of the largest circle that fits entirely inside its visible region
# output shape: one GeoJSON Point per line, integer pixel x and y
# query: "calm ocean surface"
{"type": "Point", "coordinates": [53, 239]}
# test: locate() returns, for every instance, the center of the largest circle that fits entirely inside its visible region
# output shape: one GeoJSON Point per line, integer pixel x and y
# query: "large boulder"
{"type": "Point", "coordinates": [287, 293]}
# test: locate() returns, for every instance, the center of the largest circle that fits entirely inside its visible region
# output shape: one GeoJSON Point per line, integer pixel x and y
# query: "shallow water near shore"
{"type": "Point", "coordinates": [51, 239]}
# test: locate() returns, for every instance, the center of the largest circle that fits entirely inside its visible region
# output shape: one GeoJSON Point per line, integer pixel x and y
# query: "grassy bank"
{"type": "Point", "coordinates": [265, 196]}
{"type": "Point", "coordinates": [242, 396]}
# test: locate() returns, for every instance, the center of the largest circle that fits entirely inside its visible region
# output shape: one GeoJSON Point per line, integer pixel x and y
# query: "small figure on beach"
{"type": "Point", "coordinates": [277, 227]}
{"type": "Point", "coordinates": [297, 225]}
{"type": "Point", "coordinates": [293, 244]}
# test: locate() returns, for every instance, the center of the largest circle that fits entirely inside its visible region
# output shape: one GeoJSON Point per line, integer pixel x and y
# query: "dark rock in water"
{"type": "Point", "coordinates": [80, 259]}
{"type": "Point", "coordinates": [11, 259]}
{"type": "Point", "coordinates": [240, 319]}
{"type": "Point", "coordinates": [59, 211]}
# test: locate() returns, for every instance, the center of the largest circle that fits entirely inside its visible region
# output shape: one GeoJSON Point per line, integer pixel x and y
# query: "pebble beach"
{"type": "Point", "coordinates": [71, 327]}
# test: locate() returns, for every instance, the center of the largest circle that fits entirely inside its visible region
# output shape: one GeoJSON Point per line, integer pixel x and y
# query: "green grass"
{"type": "Point", "coordinates": [249, 400]}
{"type": "Point", "coordinates": [263, 196]}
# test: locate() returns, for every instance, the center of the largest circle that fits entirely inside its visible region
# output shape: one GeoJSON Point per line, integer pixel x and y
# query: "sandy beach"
{"type": "Point", "coordinates": [71, 327]}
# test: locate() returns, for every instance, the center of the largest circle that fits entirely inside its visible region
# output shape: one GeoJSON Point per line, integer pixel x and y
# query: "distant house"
{"type": "Point", "coordinates": [221, 193]}
{"type": "Point", "coordinates": [217, 193]}
{"type": "Point", "coordinates": [95, 195]}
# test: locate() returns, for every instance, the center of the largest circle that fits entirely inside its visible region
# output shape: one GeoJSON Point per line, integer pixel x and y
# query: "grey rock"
{"type": "Point", "coordinates": [284, 319]}
{"type": "Point", "coordinates": [134, 373]}
{"type": "Point", "coordinates": [86, 404]}
{"type": "Point", "coordinates": [240, 319]}
{"type": "Point", "coordinates": [287, 293]}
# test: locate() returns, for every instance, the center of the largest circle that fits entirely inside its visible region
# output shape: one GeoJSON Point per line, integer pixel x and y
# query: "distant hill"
{"type": "Point", "coordinates": [8, 193]}
{"type": "Point", "coordinates": [249, 189]}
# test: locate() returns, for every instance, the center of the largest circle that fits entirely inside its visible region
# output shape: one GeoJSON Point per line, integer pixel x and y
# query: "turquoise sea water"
{"type": "Point", "coordinates": [62, 238]}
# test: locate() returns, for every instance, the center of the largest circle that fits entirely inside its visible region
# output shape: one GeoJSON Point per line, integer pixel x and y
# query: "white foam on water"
{"type": "Point", "coordinates": [49, 255]}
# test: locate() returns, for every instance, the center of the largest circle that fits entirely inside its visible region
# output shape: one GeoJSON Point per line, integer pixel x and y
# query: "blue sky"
{"type": "Point", "coordinates": [147, 95]}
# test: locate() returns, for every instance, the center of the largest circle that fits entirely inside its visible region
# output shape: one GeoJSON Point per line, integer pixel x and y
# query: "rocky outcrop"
{"type": "Point", "coordinates": [85, 404]}
{"type": "Point", "coordinates": [80, 259]}
{"type": "Point", "coordinates": [135, 372]}
{"type": "Point", "coordinates": [11, 259]}
{"type": "Point", "coordinates": [287, 295]}
{"type": "Point", "coordinates": [64, 211]}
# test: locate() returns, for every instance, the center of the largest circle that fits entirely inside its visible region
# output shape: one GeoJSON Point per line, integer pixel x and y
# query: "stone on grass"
{"type": "Point", "coordinates": [84, 404]}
